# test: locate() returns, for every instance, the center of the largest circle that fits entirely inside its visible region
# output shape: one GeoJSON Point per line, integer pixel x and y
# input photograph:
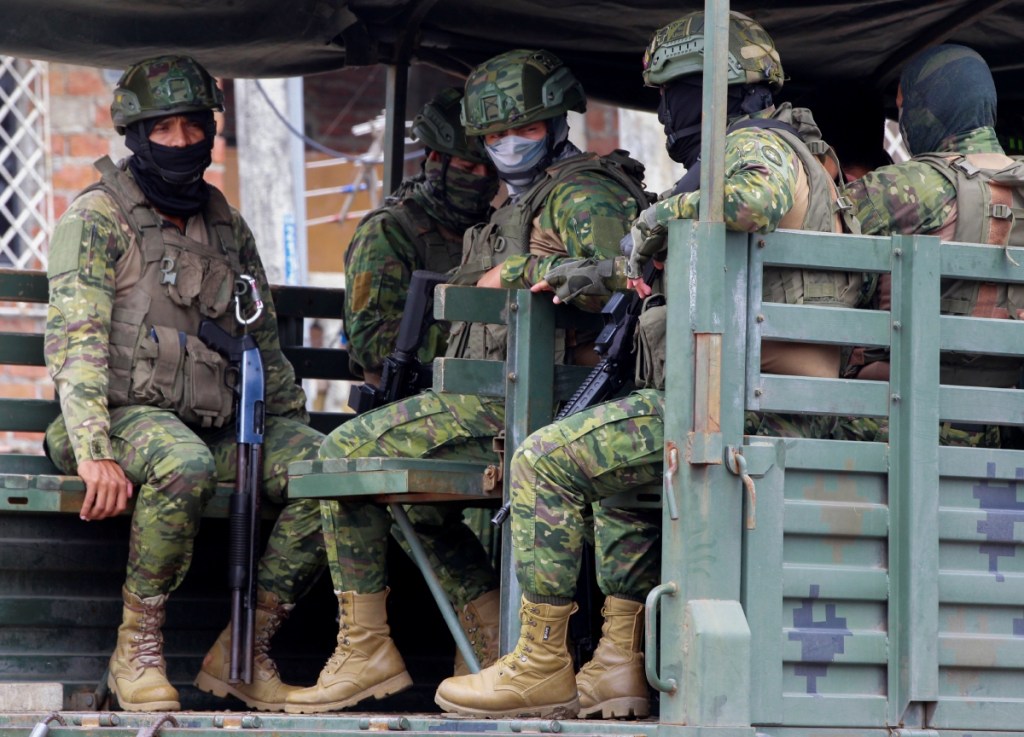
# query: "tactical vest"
{"type": "Point", "coordinates": [155, 357]}
{"type": "Point", "coordinates": [800, 286]}
{"type": "Point", "coordinates": [816, 207]}
{"type": "Point", "coordinates": [437, 247]}
{"type": "Point", "coordinates": [989, 209]}
{"type": "Point", "coordinates": [487, 245]}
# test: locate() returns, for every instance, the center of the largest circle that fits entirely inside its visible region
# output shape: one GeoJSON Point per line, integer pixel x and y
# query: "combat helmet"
{"type": "Point", "coordinates": [518, 88]}
{"type": "Point", "coordinates": [439, 126]}
{"type": "Point", "coordinates": [677, 50]}
{"type": "Point", "coordinates": [164, 85]}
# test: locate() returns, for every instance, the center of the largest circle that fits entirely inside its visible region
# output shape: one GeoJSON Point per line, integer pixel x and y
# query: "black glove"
{"type": "Point", "coordinates": [586, 276]}
{"type": "Point", "coordinates": [648, 241]}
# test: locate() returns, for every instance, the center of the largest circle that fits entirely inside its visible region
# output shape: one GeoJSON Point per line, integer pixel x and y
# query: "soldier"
{"type": "Point", "coordinates": [960, 186]}
{"type": "Point", "coordinates": [563, 204]}
{"type": "Point", "coordinates": [420, 227]}
{"type": "Point", "coordinates": [771, 180]}
{"type": "Point", "coordinates": [135, 263]}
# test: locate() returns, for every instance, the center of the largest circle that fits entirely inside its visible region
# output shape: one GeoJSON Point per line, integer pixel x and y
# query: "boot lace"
{"type": "Point", "coordinates": [261, 640]}
{"type": "Point", "coordinates": [522, 650]}
{"type": "Point", "coordinates": [471, 627]}
{"type": "Point", "coordinates": [340, 653]}
{"type": "Point", "coordinates": [148, 650]}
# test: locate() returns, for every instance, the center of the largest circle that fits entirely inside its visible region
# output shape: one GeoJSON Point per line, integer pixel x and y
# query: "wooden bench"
{"type": "Point", "coordinates": [31, 483]}
{"type": "Point", "coordinates": [531, 384]}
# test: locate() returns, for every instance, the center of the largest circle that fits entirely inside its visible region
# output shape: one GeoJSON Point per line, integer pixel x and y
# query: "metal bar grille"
{"type": "Point", "coordinates": [26, 196]}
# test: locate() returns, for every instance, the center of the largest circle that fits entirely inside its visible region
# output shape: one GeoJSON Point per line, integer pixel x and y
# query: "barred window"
{"type": "Point", "coordinates": [26, 194]}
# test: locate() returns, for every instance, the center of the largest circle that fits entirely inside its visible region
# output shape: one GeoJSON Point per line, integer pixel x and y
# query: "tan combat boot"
{"type": "Point", "coordinates": [479, 620]}
{"type": "Point", "coordinates": [266, 692]}
{"type": "Point", "coordinates": [535, 680]}
{"type": "Point", "coordinates": [138, 674]}
{"type": "Point", "coordinates": [613, 683]}
{"type": "Point", "coordinates": [365, 663]}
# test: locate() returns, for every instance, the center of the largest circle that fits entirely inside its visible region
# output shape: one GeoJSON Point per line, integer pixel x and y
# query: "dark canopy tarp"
{"type": "Point", "coordinates": [825, 45]}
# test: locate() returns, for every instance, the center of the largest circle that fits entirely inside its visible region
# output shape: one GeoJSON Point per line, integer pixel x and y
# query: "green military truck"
{"type": "Point", "coordinates": [809, 587]}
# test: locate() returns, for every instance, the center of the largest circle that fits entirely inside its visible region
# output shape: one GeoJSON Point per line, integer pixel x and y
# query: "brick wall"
{"type": "Point", "coordinates": [602, 123]}
{"type": "Point", "coordinates": [23, 382]}
{"type": "Point", "coordinates": [81, 132]}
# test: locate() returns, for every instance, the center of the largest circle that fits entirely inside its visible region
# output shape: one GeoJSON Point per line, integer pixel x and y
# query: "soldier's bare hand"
{"type": "Point", "coordinates": [107, 489]}
{"type": "Point", "coordinates": [543, 286]}
{"type": "Point", "coordinates": [643, 288]}
{"type": "Point", "coordinates": [491, 279]}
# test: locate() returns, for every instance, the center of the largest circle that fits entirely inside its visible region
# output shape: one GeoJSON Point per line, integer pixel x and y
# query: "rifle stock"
{"type": "Point", "coordinates": [402, 374]}
{"type": "Point", "coordinates": [244, 509]}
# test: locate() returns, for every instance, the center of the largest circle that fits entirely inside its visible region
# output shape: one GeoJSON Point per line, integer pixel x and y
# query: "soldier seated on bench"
{"type": "Point", "coordinates": [137, 261]}
{"type": "Point", "coordinates": [960, 186]}
{"type": "Point", "coordinates": [563, 204]}
{"type": "Point", "coordinates": [771, 179]}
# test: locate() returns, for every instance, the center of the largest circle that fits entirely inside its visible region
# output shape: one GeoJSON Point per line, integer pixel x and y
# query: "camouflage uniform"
{"type": "Point", "coordinates": [614, 447]}
{"type": "Point", "coordinates": [456, 427]}
{"type": "Point", "coordinates": [175, 467]}
{"type": "Point", "coordinates": [421, 227]}
{"type": "Point", "coordinates": [138, 264]}
{"type": "Point", "coordinates": [913, 197]}
{"type": "Point", "coordinates": [948, 114]}
{"type": "Point", "coordinates": [378, 267]}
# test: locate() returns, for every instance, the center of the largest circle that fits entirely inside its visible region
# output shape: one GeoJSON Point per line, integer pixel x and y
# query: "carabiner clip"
{"type": "Point", "coordinates": [243, 284]}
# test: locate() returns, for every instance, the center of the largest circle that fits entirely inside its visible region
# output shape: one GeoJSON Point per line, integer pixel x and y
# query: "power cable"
{"type": "Point", "coordinates": [334, 153]}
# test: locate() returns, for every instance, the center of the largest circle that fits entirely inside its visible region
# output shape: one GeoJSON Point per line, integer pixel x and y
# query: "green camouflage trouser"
{"type": "Point", "coordinates": [824, 427]}
{"type": "Point", "coordinates": [458, 427]}
{"type": "Point", "coordinates": [175, 471]}
{"type": "Point", "coordinates": [877, 430]}
{"type": "Point", "coordinates": [567, 467]}
{"type": "Point", "coordinates": [603, 451]}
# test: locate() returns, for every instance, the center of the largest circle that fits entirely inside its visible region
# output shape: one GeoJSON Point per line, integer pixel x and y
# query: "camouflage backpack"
{"type": "Point", "coordinates": [990, 209]}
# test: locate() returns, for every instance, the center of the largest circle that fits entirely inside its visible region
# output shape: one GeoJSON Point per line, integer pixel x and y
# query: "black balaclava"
{"type": "Point", "coordinates": [171, 177]}
{"type": "Point", "coordinates": [947, 90]}
{"type": "Point", "coordinates": [680, 112]}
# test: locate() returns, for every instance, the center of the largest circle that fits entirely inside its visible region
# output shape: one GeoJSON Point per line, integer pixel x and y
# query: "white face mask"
{"type": "Point", "coordinates": [515, 154]}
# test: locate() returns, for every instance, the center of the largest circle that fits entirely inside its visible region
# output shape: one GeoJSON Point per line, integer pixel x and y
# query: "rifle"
{"type": "Point", "coordinates": [244, 517]}
{"type": "Point", "coordinates": [403, 375]}
{"type": "Point", "coordinates": [618, 361]}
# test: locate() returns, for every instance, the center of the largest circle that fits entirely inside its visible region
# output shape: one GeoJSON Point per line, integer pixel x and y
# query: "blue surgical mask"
{"type": "Point", "coordinates": [517, 155]}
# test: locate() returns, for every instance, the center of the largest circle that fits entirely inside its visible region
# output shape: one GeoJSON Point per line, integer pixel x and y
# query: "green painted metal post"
{"type": "Point", "coordinates": [712, 143]}
{"type": "Point", "coordinates": [701, 547]}
{"type": "Point", "coordinates": [531, 353]}
{"type": "Point", "coordinates": [914, 474]}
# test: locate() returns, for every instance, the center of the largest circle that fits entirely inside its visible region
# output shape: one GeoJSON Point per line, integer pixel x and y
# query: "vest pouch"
{"type": "Point", "coordinates": [156, 369]}
{"type": "Point", "coordinates": [217, 289]}
{"type": "Point", "coordinates": [183, 274]}
{"type": "Point", "coordinates": [477, 256]}
{"type": "Point", "coordinates": [650, 344]}
{"type": "Point", "coordinates": [796, 286]}
{"type": "Point", "coordinates": [495, 341]}
{"type": "Point", "coordinates": [207, 400]}
{"type": "Point", "coordinates": [836, 288]}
